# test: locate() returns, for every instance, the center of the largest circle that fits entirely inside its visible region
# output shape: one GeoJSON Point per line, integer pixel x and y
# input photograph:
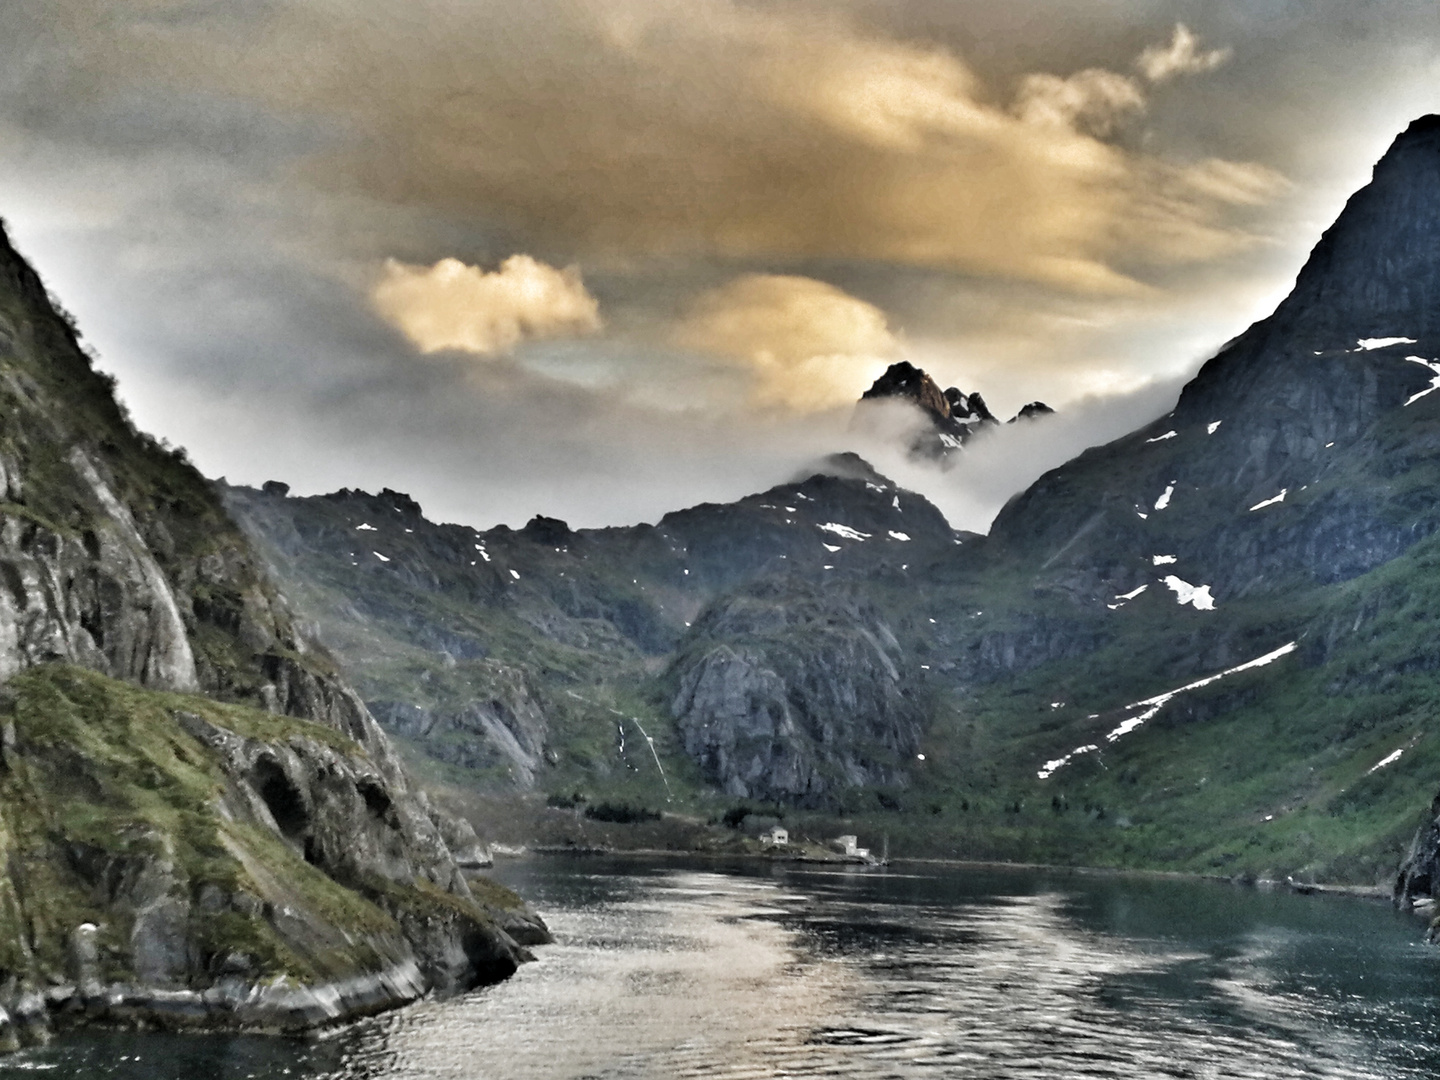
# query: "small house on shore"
{"type": "Point", "coordinates": [776, 835]}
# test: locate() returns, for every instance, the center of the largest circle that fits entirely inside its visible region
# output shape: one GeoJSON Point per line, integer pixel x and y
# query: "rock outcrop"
{"type": "Point", "coordinates": [953, 417]}
{"type": "Point", "coordinates": [790, 693]}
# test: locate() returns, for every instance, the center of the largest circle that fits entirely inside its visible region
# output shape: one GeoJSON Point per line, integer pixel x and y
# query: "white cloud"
{"type": "Point", "coordinates": [1182, 56]}
{"type": "Point", "coordinates": [454, 306]}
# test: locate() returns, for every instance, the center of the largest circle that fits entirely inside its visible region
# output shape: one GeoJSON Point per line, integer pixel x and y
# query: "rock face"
{"type": "Point", "coordinates": [1418, 880]}
{"type": "Point", "coordinates": [261, 827]}
{"type": "Point", "coordinates": [1283, 417]}
{"type": "Point", "coordinates": [953, 416]}
{"type": "Point", "coordinates": [794, 694]}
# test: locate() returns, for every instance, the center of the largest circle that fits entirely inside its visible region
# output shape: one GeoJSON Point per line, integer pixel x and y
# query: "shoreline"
{"type": "Point", "coordinates": [279, 1008]}
{"type": "Point", "coordinates": [1300, 888]}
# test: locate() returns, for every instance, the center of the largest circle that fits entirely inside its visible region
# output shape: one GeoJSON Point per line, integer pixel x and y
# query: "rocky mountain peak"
{"type": "Point", "coordinates": [954, 415]}
{"type": "Point", "coordinates": [904, 380]}
{"type": "Point", "coordinates": [1376, 271]}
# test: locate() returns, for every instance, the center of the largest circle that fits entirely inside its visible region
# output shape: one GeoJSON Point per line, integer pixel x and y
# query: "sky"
{"type": "Point", "coordinates": [602, 260]}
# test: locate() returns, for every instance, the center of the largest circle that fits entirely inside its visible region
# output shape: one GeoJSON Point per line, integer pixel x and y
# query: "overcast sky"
{"type": "Point", "coordinates": [600, 260]}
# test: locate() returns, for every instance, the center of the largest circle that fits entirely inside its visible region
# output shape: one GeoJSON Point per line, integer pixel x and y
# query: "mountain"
{"type": "Point", "coordinates": [951, 416]}
{"type": "Point", "coordinates": [509, 654]}
{"type": "Point", "coordinates": [1285, 504]}
{"type": "Point", "coordinates": [202, 825]}
{"type": "Point", "coordinates": [1203, 646]}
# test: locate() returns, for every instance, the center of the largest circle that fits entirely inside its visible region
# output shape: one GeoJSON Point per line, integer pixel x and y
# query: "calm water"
{"type": "Point", "coordinates": [670, 970]}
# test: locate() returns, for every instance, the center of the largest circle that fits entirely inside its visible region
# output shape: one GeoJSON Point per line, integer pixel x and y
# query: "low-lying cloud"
{"type": "Point", "coordinates": [454, 306]}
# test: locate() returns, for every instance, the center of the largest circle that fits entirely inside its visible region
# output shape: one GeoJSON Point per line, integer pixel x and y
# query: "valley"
{"type": "Point", "coordinates": [1205, 646]}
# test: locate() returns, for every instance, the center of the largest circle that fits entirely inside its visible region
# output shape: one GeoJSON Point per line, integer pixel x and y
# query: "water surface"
{"type": "Point", "coordinates": [676, 969]}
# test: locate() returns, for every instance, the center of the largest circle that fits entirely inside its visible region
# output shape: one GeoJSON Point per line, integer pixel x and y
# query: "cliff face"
{"type": "Point", "coordinates": [790, 693]}
{"type": "Point", "coordinates": [170, 847]}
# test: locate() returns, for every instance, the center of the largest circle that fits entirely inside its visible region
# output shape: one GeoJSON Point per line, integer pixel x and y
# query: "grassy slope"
{"type": "Point", "coordinates": [100, 782]}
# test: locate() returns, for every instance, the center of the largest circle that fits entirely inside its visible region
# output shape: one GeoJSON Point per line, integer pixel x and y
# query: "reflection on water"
{"type": "Point", "coordinates": [664, 970]}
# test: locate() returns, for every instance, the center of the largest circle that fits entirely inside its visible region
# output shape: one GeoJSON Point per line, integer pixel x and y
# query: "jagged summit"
{"type": "Point", "coordinates": [1376, 270]}
{"type": "Point", "coordinates": [1032, 411]}
{"type": "Point", "coordinates": [954, 415]}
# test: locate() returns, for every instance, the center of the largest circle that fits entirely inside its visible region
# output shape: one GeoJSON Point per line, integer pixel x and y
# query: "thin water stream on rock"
{"type": "Point", "coordinates": [668, 968]}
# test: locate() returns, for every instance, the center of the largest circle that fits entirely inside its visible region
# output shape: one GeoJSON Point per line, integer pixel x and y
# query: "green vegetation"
{"type": "Point", "coordinates": [106, 803]}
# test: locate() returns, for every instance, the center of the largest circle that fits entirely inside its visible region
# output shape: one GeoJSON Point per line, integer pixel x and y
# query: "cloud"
{"type": "Point", "coordinates": [454, 306]}
{"type": "Point", "coordinates": [705, 129]}
{"type": "Point", "coordinates": [971, 487]}
{"type": "Point", "coordinates": [807, 344]}
{"type": "Point", "coordinates": [1093, 101]}
{"type": "Point", "coordinates": [1182, 56]}
{"type": "Point", "coordinates": [213, 187]}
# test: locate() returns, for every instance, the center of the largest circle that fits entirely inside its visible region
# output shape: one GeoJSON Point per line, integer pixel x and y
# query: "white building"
{"type": "Point", "coordinates": [776, 834]}
{"type": "Point", "coordinates": [849, 845]}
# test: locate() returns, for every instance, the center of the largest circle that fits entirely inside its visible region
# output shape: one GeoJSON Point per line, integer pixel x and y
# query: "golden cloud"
{"type": "Point", "coordinates": [454, 306]}
{"type": "Point", "coordinates": [806, 344]}
{"type": "Point", "coordinates": [719, 128]}
{"type": "Point", "coordinates": [1093, 101]}
{"type": "Point", "coordinates": [716, 128]}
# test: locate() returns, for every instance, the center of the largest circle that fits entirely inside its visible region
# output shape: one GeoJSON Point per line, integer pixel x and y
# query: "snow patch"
{"type": "Point", "coordinates": [897, 535]}
{"type": "Point", "coordinates": [832, 548]}
{"type": "Point", "coordinates": [1272, 500]}
{"type": "Point", "coordinates": [1142, 515]}
{"type": "Point", "coordinates": [483, 553]}
{"type": "Point", "coordinates": [515, 574]}
{"type": "Point", "coordinates": [382, 558]}
{"type": "Point", "coordinates": [1434, 366]}
{"type": "Point", "coordinates": [365, 526]}
{"type": "Point", "coordinates": [1164, 500]}
{"type": "Point", "coordinates": [1162, 560]}
{"type": "Point", "coordinates": [1152, 705]}
{"type": "Point", "coordinates": [1212, 426]}
{"type": "Point", "coordinates": [1185, 593]}
{"type": "Point", "coordinates": [843, 531]}
{"type": "Point", "coordinates": [896, 503]}
{"type": "Point", "coordinates": [1369, 343]}
{"type": "Point", "coordinates": [1389, 759]}
{"type": "Point", "coordinates": [1162, 438]}
{"type": "Point", "coordinates": [1059, 763]}
{"type": "Point", "coordinates": [1132, 593]}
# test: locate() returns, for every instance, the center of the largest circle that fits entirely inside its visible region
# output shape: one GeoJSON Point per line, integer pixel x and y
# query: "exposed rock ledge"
{"type": "Point", "coordinates": [277, 1008]}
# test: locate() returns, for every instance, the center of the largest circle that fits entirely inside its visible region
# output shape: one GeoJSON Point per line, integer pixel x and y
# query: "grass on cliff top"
{"type": "Point", "coordinates": [104, 782]}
